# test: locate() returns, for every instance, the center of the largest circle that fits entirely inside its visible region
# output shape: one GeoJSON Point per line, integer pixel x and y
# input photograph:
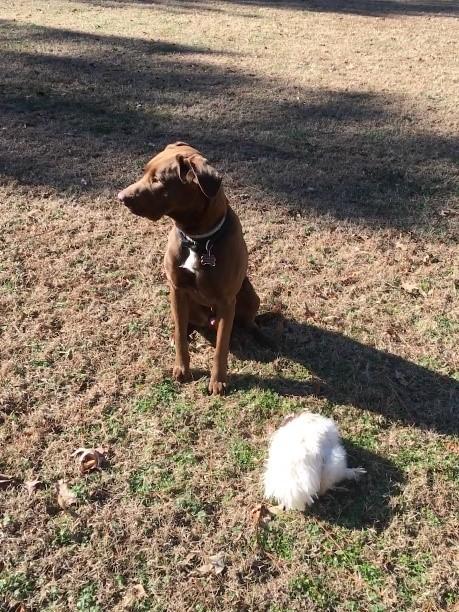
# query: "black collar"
{"type": "Point", "coordinates": [202, 244]}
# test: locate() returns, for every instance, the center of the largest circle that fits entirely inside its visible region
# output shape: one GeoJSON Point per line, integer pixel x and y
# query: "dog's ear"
{"type": "Point", "coordinates": [205, 176]}
{"type": "Point", "coordinates": [183, 168]}
{"type": "Point", "coordinates": [195, 169]}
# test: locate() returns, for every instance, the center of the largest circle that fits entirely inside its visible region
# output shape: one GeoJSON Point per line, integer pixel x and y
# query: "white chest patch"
{"type": "Point", "coordinates": [191, 263]}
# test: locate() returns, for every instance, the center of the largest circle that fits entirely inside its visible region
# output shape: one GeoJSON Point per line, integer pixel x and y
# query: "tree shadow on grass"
{"type": "Point", "coordinates": [83, 112]}
{"type": "Point", "coordinates": [345, 371]}
{"type": "Point", "coordinates": [368, 8]}
{"type": "Point", "coordinates": [173, 6]}
{"type": "Point", "coordinates": [366, 503]}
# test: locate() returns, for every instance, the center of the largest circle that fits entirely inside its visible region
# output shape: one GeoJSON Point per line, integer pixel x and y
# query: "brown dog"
{"type": "Point", "coordinates": [206, 256]}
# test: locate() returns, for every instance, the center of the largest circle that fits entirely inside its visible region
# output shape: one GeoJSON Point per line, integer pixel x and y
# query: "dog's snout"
{"type": "Point", "coordinates": [127, 197]}
{"type": "Point", "coordinates": [130, 195]}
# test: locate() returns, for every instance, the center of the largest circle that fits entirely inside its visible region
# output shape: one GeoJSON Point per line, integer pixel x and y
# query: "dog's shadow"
{"type": "Point", "coordinates": [344, 371]}
{"type": "Point", "coordinates": [366, 503]}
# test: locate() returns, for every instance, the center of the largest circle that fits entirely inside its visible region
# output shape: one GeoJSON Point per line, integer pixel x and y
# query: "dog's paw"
{"type": "Point", "coordinates": [181, 373]}
{"type": "Point", "coordinates": [217, 388]}
{"type": "Point", "coordinates": [358, 473]}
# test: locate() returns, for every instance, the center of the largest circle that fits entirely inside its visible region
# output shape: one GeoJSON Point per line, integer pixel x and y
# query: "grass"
{"type": "Point", "coordinates": [313, 591]}
{"type": "Point", "coordinates": [87, 598]}
{"type": "Point", "coordinates": [243, 455]}
{"type": "Point", "coordinates": [160, 395]}
{"type": "Point", "coordinates": [336, 141]}
{"type": "Point", "coordinates": [278, 540]}
{"type": "Point", "coordinates": [16, 586]}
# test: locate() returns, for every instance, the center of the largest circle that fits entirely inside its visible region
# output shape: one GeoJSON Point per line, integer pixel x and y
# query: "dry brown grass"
{"type": "Point", "coordinates": [335, 125]}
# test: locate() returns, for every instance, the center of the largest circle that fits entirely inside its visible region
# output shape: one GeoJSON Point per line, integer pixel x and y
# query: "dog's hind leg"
{"type": "Point", "coordinates": [247, 304]}
{"type": "Point", "coordinates": [334, 469]}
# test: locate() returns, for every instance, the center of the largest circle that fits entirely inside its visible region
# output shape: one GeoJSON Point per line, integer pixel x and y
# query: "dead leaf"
{"type": "Point", "coordinates": [218, 561]}
{"type": "Point", "coordinates": [411, 288]}
{"type": "Point", "coordinates": [260, 515]}
{"type": "Point", "coordinates": [216, 565]}
{"type": "Point", "coordinates": [133, 594]}
{"type": "Point", "coordinates": [453, 446]}
{"type": "Point", "coordinates": [188, 560]}
{"type": "Point", "coordinates": [205, 569]}
{"type": "Point", "coordinates": [138, 591]}
{"type": "Point", "coordinates": [31, 485]}
{"type": "Point", "coordinates": [5, 480]}
{"type": "Point", "coordinates": [90, 458]}
{"type": "Point", "coordinates": [256, 514]}
{"type": "Point", "coordinates": [65, 497]}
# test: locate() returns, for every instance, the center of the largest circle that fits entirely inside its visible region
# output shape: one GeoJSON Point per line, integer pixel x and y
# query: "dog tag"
{"type": "Point", "coordinates": [208, 260]}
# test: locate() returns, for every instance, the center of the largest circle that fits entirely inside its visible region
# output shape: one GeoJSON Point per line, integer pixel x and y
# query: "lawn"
{"type": "Point", "coordinates": [335, 125]}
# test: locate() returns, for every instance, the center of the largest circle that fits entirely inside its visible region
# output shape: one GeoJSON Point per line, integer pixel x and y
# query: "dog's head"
{"type": "Point", "coordinates": [177, 182]}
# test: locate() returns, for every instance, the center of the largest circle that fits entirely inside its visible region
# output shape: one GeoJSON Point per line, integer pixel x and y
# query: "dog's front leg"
{"type": "Point", "coordinates": [225, 317]}
{"type": "Point", "coordinates": [180, 313]}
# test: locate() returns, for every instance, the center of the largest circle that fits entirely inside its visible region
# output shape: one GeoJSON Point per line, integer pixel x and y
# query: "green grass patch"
{"type": "Point", "coordinates": [350, 558]}
{"type": "Point", "coordinates": [244, 456]}
{"type": "Point", "coordinates": [446, 326]}
{"type": "Point", "coordinates": [8, 286]}
{"type": "Point", "coordinates": [411, 570]}
{"type": "Point", "coordinates": [66, 534]}
{"type": "Point", "coordinates": [433, 456]}
{"type": "Point", "coordinates": [314, 589]}
{"type": "Point", "coordinates": [274, 538]}
{"type": "Point", "coordinates": [87, 598]}
{"type": "Point", "coordinates": [220, 414]}
{"type": "Point", "coordinates": [115, 428]}
{"type": "Point", "coordinates": [161, 395]}
{"type": "Point", "coordinates": [264, 403]}
{"type": "Point", "coordinates": [145, 481]}
{"type": "Point", "coordinates": [192, 506]}
{"type": "Point", "coordinates": [16, 587]}
{"type": "Point", "coordinates": [184, 458]}
{"type": "Point", "coordinates": [365, 431]}
{"type": "Point", "coordinates": [81, 490]}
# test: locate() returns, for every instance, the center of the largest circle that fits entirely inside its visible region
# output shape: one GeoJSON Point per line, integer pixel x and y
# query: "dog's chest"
{"type": "Point", "coordinates": [191, 263]}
